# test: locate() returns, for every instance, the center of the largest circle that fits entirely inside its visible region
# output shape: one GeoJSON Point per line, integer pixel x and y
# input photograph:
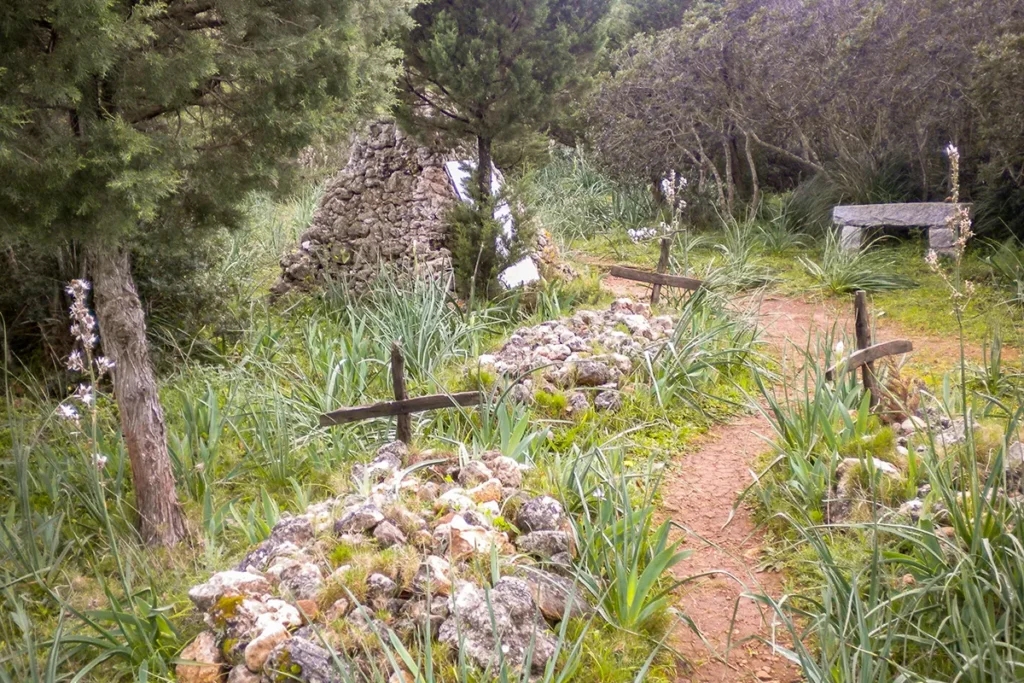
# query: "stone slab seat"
{"type": "Point", "coordinates": [854, 219]}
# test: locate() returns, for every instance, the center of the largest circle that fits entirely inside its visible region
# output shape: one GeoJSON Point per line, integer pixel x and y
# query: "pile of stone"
{"type": "Point", "coordinates": [279, 614]}
{"type": "Point", "coordinates": [852, 475]}
{"type": "Point", "coordinates": [587, 354]}
{"type": "Point", "coordinates": [386, 206]}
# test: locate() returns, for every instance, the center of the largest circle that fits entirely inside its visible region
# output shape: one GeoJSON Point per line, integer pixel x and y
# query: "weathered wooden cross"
{"type": "Point", "coordinates": [866, 354]}
{"type": "Point", "coordinates": [659, 279]}
{"type": "Point", "coordinates": [402, 406]}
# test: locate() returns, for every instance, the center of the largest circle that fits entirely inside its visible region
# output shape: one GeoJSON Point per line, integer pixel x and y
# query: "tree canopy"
{"type": "Point", "coordinates": [492, 70]}
{"type": "Point", "coordinates": [120, 117]}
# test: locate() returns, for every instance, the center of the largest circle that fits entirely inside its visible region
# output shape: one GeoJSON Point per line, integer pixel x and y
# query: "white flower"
{"type": "Point", "coordinates": [104, 365]}
{"type": "Point", "coordinates": [84, 394]}
{"type": "Point", "coordinates": [99, 460]}
{"type": "Point", "coordinates": [641, 234]}
{"type": "Point", "coordinates": [67, 412]}
{"type": "Point", "coordinates": [75, 362]}
{"type": "Point", "coordinates": [840, 347]}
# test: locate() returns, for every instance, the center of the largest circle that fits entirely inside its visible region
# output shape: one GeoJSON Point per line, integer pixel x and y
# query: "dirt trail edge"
{"type": "Point", "coordinates": [698, 493]}
{"type": "Point", "coordinates": [701, 487]}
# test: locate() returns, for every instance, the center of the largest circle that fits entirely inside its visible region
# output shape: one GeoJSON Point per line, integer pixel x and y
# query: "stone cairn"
{"type": "Point", "coordinates": [587, 355]}
{"type": "Point", "coordinates": [274, 616]}
{"type": "Point", "coordinates": [387, 205]}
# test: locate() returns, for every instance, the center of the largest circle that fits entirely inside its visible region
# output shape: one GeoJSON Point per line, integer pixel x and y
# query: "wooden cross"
{"type": "Point", "coordinates": [402, 406]}
{"type": "Point", "coordinates": [866, 354]}
{"type": "Point", "coordinates": [659, 279]}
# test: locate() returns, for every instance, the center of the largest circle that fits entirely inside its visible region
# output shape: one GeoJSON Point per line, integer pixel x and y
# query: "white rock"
{"type": "Point", "coordinates": [205, 595]}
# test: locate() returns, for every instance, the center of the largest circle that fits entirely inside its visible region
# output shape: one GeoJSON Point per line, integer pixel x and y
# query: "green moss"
{"type": "Point", "coordinates": [553, 402]}
{"type": "Point", "coordinates": [879, 444]}
{"type": "Point", "coordinates": [340, 554]}
{"type": "Point", "coordinates": [226, 609]}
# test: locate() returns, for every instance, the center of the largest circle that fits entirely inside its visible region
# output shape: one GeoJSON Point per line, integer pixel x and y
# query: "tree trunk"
{"type": "Point", "coordinates": [483, 167]}
{"type": "Point", "coordinates": [123, 335]}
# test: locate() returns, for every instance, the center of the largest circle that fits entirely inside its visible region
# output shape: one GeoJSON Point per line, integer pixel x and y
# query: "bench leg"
{"type": "Point", "coordinates": [941, 239]}
{"type": "Point", "coordinates": [851, 237]}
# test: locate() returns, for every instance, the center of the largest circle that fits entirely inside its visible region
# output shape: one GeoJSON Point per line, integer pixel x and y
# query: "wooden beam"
{"type": "Point", "coordinates": [657, 278]}
{"type": "Point", "coordinates": [666, 245]}
{"type": "Point", "coordinates": [404, 407]}
{"type": "Point", "coordinates": [862, 330]}
{"type": "Point", "coordinates": [871, 354]}
{"type": "Point", "coordinates": [403, 431]}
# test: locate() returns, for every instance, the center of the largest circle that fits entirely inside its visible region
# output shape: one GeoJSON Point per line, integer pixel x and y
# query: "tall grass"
{"type": "Point", "coordinates": [843, 270]}
{"type": "Point", "coordinates": [575, 201]}
{"type": "Point", "coordinates": [708, 349]}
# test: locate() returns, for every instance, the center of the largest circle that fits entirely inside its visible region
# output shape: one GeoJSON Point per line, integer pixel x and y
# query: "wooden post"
{"type": "Point", "coordinates": [862, 328]}
{"type": "Point", "coordinates": [404, 431]}
{"type": "Point", "coordinates": [666, 245]}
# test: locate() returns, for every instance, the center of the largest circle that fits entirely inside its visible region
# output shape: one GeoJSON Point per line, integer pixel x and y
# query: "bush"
{"type": "Point", "coordinates": [479, 246]}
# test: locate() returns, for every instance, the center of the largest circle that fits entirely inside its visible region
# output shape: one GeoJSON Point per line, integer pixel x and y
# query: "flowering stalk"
{"type": "Point", "coordinates": [960, 290]}
{"type": "Point", "coordinates": [83, 361]}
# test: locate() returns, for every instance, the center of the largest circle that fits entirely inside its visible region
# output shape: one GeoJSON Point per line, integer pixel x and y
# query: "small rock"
{"type": "Point", "coordinates": [433, 576]}
{"type": "Point", "coordinates": [455, 500]}
{"type": "Point", "coordinates": [203, 661]}
{"type": "Point", "coordinates": [578, 402]}
{"type": "Point", "coordinates": [303, 581]}
{"type": "Point", "coordinates": [913, 424]}
{"type": "Point", "coordinates": [542, 513]}
{"type": "Point", "coordinates": [608, 400]}
{"type": "Point", "coordinates": [206, 595]}
{"type": "Point", "coordinates": [396, 452]}
{"type": "Point", "coordinates": [387, 534]}
{"type": "Point", "coordinates": [473, 473]}
{"type": "Point", "coordinates": [912, 509]}
{"type": "Point", "coordinates": [241, 674]}
{"type": "Point", "coordinates": [505, 618]}
{"type": "Point", "coordinates": [300, 660]}
{"type": "Point", "coordinates": [379, 586]}
{"type": "Point", "coordinates": [486, 492]}
{"type": "Point", "coordinates": [590, 373]}
{"type": "Point", "coordinates": [555, 596]}
{"type": "Point", "coordinates": [359, 519]}
{"type": "Point", "coordinates": [417, 613]}
{"type": "Point", "coordinates": [506, 470]}
{"type": "Point", "coordinates": [337, 610]}
{"type": "Point", "coordinates": [463, 539]}
{"type": "Point", "coordinates": [545, 543]}
{"type": "Point", "coordinates": [308, 609]}
{"type": "Point", "coordinates": [259, 648]}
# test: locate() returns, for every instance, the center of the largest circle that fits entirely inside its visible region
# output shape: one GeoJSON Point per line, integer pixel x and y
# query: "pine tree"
{"type": "Point", "coordinates": [131, 120]}
{"type": "Point", "coordinates": [489, 70]}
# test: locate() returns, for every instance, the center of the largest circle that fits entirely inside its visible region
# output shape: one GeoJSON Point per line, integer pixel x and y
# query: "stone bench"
{"type": "Point", "coordinates": [854, 219]}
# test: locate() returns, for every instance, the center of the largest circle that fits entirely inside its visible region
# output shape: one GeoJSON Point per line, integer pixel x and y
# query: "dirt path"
{"type": "Point", "coordinates": [698, 494]}
{"type": "Point", "coordinates": [701, 487]}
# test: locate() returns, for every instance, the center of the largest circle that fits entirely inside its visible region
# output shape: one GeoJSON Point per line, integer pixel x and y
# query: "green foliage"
{"type": "Point", "coordinates": [492, 70]}
{"type": "Point", "coordinates": [574, 200]}
{"type": "Point", "coordinates": [624, 557]}
{"type": "Point", "coordinates": [707, 350]}
{"type": "Point", "coordinates": [480, 248]}
{"type": "Point", "coordinates": [841, 270]}
{"type": "Point", "coordinates": [155, 122]}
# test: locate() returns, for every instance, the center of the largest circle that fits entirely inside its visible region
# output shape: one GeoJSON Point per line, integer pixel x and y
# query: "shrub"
{"type": "Point", "coordinates": [480, 247]}
{"type": "Point", "coordinates": [844, 270]}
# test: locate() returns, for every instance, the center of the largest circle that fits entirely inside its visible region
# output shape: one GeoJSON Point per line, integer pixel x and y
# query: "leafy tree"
{"type": "Point", "coordinates": [493, 69]}
{"type": "Point", "coordinates": [130, 121]}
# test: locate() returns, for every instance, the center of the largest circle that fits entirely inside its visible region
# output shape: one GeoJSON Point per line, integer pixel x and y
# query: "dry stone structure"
{"type": "Point", "coordinates": [386, 205]}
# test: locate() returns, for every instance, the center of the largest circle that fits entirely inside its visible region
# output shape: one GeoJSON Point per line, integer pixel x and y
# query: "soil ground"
{"type": "Point", "coordinates": [699, 493]}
